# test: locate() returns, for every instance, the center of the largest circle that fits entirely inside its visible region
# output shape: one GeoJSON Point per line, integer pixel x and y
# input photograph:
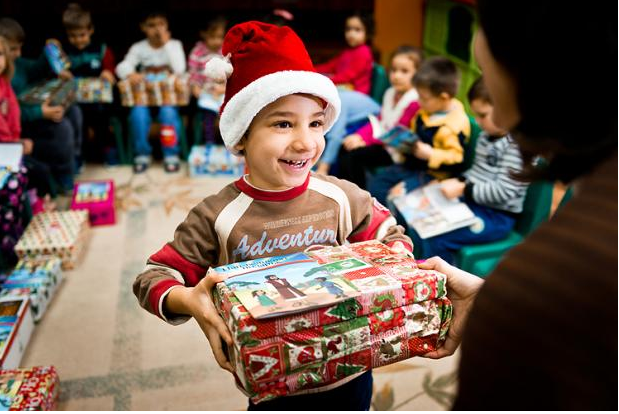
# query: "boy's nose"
{"type": "Point", "coordinates": [303, 140]}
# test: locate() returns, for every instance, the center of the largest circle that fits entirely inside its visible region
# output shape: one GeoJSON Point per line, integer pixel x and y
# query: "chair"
{"type": "Point", "coordinates": [380, 83]}
{"type": "Point", "coordinates": [481, 259]}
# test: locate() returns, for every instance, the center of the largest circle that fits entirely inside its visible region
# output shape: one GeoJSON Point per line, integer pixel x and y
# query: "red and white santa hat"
{"type": "Point", "coordinates": [262, 63]}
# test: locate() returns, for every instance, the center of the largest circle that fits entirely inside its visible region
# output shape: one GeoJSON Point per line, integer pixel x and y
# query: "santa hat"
{"type": "Point", "coordinates": [263, 63]}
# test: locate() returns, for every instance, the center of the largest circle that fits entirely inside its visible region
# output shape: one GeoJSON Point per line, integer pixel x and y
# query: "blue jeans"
{"type": "Point", "coordinates": [355, 107]}
{"type": "Point", "coordinates": [494, 225]}
{"type": "Point", "coordinates": [380, 184]}
{"type": "Point", "coordinates": [355, 395]}
{"type": "Point", "coordinates": [139, 122]}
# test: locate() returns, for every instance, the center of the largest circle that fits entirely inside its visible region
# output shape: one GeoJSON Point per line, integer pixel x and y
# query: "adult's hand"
{"type": "Point", "coordinates": [462, 288]}
{"type": "Point", "coordinates": [52, 112]}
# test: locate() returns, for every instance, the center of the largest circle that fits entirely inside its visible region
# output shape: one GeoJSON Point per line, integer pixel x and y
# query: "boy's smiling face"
{"type": "Point", "coordinates": [284, 141]}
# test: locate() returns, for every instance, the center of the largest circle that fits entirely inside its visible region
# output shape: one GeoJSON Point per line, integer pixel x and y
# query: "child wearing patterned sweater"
{"type": "Point", "coordinates": [276, 111]}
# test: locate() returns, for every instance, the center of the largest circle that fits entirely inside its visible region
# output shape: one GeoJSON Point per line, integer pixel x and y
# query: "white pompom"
{"type": "Point", "coordinates": [218, 68]}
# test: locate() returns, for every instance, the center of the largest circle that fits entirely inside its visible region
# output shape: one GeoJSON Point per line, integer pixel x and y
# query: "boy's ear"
{"type": "Point", "coordinates": [445, 96]}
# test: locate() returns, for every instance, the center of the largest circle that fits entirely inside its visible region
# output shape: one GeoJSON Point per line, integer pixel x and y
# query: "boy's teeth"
{"type": "Point", "coordinates": [296, 163]}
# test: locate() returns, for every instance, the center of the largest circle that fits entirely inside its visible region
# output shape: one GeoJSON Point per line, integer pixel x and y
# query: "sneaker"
{"type": "Point", "coordinates": [141, 163]}
{"type": "Point", "coordinates": [171, 163]}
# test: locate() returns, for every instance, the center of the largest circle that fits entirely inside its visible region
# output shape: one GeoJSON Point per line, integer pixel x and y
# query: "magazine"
{"type": "Point", "coordinates": [399, 137]}
{"type": "Point", "coordinates": [279, 285]}
{"type": "Point", "coordinates": [430, 213]}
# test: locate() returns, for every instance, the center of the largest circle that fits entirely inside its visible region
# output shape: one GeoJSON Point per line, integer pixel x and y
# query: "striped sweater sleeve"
{"type": "Point", "coordinates": [489, 181]}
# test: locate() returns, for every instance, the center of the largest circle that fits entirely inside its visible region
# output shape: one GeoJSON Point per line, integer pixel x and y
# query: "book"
{"type": "Point", "coordinates": [430, 213]}
{"type": "Point", "coordinates": [280, 285]}
{"type": "Point", "coordinates": [11, 155]}
{"type": "Point", "coordinates": [399, 137]}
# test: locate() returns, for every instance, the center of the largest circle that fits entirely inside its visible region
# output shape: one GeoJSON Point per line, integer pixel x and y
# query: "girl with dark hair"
{"type": "Point", "coordinates": [542, 330]}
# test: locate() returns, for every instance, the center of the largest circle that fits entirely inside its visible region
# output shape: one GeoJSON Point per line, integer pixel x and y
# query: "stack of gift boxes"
{"type": "Point", "coordinates": [400, 311]}
{"type": "Point", "coordinates": [29, 389]}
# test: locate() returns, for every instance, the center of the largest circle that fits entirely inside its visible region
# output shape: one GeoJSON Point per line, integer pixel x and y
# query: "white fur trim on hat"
{"type": "Point", "coordinates": [246, 103]}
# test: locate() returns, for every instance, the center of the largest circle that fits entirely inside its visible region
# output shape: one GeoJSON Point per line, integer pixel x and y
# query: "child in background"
{"type": "Point", "coordinates": [208, 92]}
{"type": "Point", "coordinates": [488, 187]}
{"type": "Point", "coordinates": [362, 149]}
{"type": "Point", "coordinates": [157, 54]}
{"type": "Point", "coordinates": [56, 132]}
{"type": "Point", "coordinates": [92, 59]}
{"type": "Point", "coordinates": [442, 128]}
{"type": "Point", "coordinates": [276, 111]}
{"type": "Point", "coordinates": [351, 71]}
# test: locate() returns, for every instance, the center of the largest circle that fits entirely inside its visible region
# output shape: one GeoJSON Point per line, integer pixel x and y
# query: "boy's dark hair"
{"type": "Point", "coordinates": [153, 14]}
{"type": "Point", "coordinates": [439, 75]}
{"type": "Point", "coordinates": [479, 91]}
{"type": "Point", "coordinates": [75, 17]}
{"type": "Point", "coordinates": [367, 19]}
{"type": "Point", "coordinates": [11, 30]}
{"type": "Point", "coordinates": [413, 53]}
{"type": "Point", "coordinates": [215, 23]}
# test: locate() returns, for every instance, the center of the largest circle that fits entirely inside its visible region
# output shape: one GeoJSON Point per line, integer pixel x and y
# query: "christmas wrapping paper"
{"type": "Point", "coordinates": [94, 90]}
{"type": "Point", "coordinates": [98, 198]}
{"type": "Point", "coordinates": [35, 278]}
{"type": "Point", "coordinates": [214, 160]}
{"type": "Point", "coordinates": [58, 233]}
{"type": "Point", "coordinates": [401, 312]}
{"type": "Point", "coordinates": [57, 91]}
{"type": "Point", "coordinates": [155, 90]}
{"type": "Point", "coordinates": [16, 326]}
{"type": "Point", "coordinates": [29, 389]}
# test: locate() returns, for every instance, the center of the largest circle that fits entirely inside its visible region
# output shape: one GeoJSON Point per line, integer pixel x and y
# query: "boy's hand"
{"type": "Point", "coordinates": [108, 76]}
{"type": "Point", "coordinates": [353, 141]}
{"type": "Point", "coordinates": [452, 188]}
{"type": "Point", "coordinates": [196, 90]}
{"type": "Point", "coordinates": [422, 150]}
{"type": "Point", "coordinates": [135, 78]}
{"type": "Point", "coordinates": [203, 310]}
{"type": "Point", "coordinates": [65, 74]}
{"type": "Point", "coordinates": [27, 144]}
{"type": "Point", "coordinates": [462, 288]}
{"type": "Point", "coordinates": [52, 113]}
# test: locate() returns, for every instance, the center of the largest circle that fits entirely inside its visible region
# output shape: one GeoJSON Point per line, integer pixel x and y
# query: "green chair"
{"type": "Point", "coordinates": [380, 83]}
{"type": "Point", "coordinates": [481, 259]}
{"type": "Point", "coordinates": [469, 150]}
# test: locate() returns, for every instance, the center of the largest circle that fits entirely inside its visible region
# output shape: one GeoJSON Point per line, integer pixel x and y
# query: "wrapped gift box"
{"type": "Point", "coordinates": [398, 312]}
{"type": "Point", "coordinates": [94, 90]}
{"type": "Point", "coordinates": [214, 160]}
{"type": "Point", "coordinates": [57, 91]}
{"type": "Point", "coordinates": [156, 90]}
{"type": "Point", "coordinates": [16, 326]}
{"type": "Point", "coordinates": [36, 278]}
{"type": "Point", "coordinates": [59, 233]}
{"type": "Point", "coordinates": [29, 389]}
{"type": "Point", "coordinates": [98, 198]}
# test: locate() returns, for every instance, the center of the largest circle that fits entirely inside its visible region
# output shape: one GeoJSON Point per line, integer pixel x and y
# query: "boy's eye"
{"type": "Point", "coordinates": [316, 124]}
{"type": "Point", "coordinates": [283, 124]}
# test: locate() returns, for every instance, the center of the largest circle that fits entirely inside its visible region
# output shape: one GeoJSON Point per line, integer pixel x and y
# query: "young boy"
{"type": "Point", "coordinates": [56, 132]}
{"type": "Point", "coordinates": [276, 112]}
{"type": "Point", "coordinates": [441, 126]}
{"type": "Point", "coordinates": [156, 54]}
{"type": "Point", "coordinates": [92, 59]}
{"type": "Point", "coordinates": [488, 187]}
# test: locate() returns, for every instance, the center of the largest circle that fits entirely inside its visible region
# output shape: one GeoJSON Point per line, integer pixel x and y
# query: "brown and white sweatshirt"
{"type": "Point", "coordinates": [242, 223]}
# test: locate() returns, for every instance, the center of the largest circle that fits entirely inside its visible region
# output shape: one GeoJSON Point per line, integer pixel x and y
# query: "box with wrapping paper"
{"type": "Point", "coordinates": [59, 233]}
{"type": "Point", "coordinates": [156, 89]}
{"type": "Point", "coordinates": [98, 198]}
{"type": "Point", "coordinates": [36, 278]}
{"type": "Point", "coordinates": [398, 311]}
{"type": "Point", "coordinates": [93, 90]}
{"type": "Point", "coordinates": [56, 92]}
{"type": "Point", "coordinates": [29, 389]}
{"type": "Point", "coordinates": [214, 160]}
{"type": "Point", "coordinates": [16, 326]}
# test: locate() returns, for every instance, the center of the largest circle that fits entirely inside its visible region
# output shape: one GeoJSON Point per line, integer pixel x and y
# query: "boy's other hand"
{"type": "Point", "coordinates": [65, 74]}
{"type": "Point", "coordinates": [196, 91]}
{"type": "Point", "coordinates": [27, 144]}
{"type": "Point", "coordinates": [52, 113]}
{"type": "Point", "coordinates": [108, 76]}
{"type": "Point", "coordinates": [135, 78]}
{"type": "Point", "coordinates": [204, 311]}
{"type": "Point", "coordinates": [422, 150]}
{"type": "Point", "coordinates": [353, 141]}
{"type": "Point", "coordinates": [462, 288]}
{"type": "Point", "coordinates": [452, 188]}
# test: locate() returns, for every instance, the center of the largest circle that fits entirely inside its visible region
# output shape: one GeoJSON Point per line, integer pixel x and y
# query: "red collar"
{"type": "Point", "coordinates": [264, 195]}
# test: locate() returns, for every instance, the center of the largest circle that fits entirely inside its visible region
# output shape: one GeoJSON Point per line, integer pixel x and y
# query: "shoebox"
{"type": "Point", "coordinates": [93, 90]}
{"type": "Point", "coordinates": [16, 326]}
{"type": "Point", "coordinates": [311, 321]}
{"type": "Point", "coordinates": [37, 279]}
{"type": "Point", "coordinates": [29, 389]}
{"type": "Point", "coordinates": [214, 160]}
{"type": "Point", "coordinates": [98, 198]}
{"type": "Point", "coordinates": [58, 233]}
